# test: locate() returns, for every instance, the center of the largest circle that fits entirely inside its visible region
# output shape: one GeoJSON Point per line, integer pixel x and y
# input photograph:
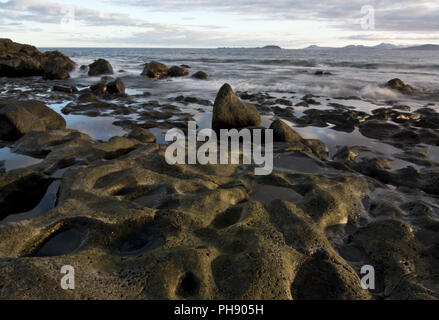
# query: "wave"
{"type": "Point", "coordinates": [312, 63]}
{"type": "Point", "coordinates": [376, 92]}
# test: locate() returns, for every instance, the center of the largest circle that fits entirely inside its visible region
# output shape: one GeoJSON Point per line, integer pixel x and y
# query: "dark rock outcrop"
{"type": "Point", "coordinates": [56, 66]}
{"type": "Point", "coordinates": [21, 60]}
{"type": "Point", "coordinates": [399, 85]}
{"type": "Point", "coordinates": [100, 67]}
{"type": "Point", "coordinates": [20, 117]}
{"type": "Point", "coordinates": [230, 112]}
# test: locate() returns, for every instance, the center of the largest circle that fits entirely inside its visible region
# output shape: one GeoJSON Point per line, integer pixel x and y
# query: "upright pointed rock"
{"type": "Point", "coordinates": [230, 112]}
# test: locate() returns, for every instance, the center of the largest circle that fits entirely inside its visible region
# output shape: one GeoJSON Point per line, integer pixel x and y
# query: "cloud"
{"type": "Point", "coordinates": [255, 22]}
{"type": "Point", "coordinates": [136, 30]}
{"type": "Point", "coordinates": [51, 12]}
{"type": "Point", "coordinates": [393, 15]}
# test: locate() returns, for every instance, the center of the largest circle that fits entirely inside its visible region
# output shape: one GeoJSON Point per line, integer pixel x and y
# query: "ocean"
{"type": "Point", "coordinates": [358, 72]}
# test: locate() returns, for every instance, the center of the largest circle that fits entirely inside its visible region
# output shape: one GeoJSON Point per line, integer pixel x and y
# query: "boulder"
{"type": "Point", "coordinates": [230, 112]}
{"type": "Point", "coordinates": [100, 67]}
{"type": "Point", "coordinates": [20, 60]}
{"type": "Point", "coordinates": [116, 86]}
{"type": "Point", "coordinates": [155, 69]}
{"type": "Point", "coordinates": [20, 117]}
{"type": "Point", "coordinates": [56, 66]}
{"type": "Point", "coordinates": [282, 132]}
{"type": "Point", "coordinates": [200, 75]}
{"type": "Point", "coordinates": [176, 71]}
{"type": "Point", "coordinates": [399, 85]}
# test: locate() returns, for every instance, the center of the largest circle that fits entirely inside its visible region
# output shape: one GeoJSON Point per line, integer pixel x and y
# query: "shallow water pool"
{"type": "Point", "coordinates": [15, 161]}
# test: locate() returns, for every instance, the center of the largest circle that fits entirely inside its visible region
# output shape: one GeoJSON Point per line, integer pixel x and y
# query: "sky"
{"type": "Point", "coordinates": [220, 23]}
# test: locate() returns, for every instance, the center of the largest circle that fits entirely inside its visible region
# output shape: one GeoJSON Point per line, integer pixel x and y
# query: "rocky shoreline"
{"type": "Point", "coordinates": [135, 227]}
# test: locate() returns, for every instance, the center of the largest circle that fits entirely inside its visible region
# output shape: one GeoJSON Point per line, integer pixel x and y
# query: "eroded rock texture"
{"type": "Point", "coordinates": [134, 227]}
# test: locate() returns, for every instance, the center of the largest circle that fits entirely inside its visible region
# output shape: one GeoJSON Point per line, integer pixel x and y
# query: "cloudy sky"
{"type": "Point", "coordinates": [209, 23]}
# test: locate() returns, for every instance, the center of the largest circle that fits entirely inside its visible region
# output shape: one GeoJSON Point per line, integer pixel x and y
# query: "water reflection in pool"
{"type": "Point", "coordinates": [15, 161]}
{"type": "Point", "coordinates": [99, 128]}
{"type": "Point", "coordinates": [46, 204]}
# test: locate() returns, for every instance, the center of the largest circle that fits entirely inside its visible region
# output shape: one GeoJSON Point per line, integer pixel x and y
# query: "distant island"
{"type": "Point", "coordinates": [425, 47]}
{"type": "Point", "coordinates": [382, 46]}
{"type": "Point", "coordinates": [271, 47]}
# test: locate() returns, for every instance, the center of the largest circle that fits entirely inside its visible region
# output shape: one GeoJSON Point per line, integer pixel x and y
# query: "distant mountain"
{"type": "Point", "coordinates": [386, 46]}
{"type": "Point", "coordinates": [382, 46]}
{"type": "Point", "coordinates": [424, 47]}
{"type": "Point", "coordinates": [272, 47]}
{"type": "Point", "coordinates": [314, 47]}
